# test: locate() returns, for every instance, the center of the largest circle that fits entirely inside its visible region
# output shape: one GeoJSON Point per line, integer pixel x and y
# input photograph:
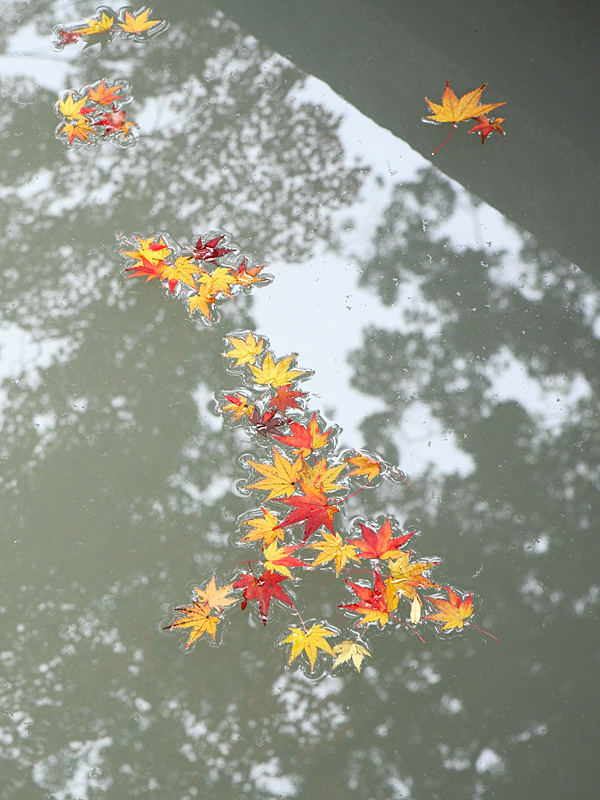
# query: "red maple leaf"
{"type": "Point", "coordinates": [209, 250]}
{"type": "Point", "coordinates": [376, 603]}
{"type": "Point", "coordinates": [265, 423]}
{"type": "Point", "coordinates": [286, 398]}
{"type": "Point", "coordinates": [313, 508]}
{"type": "Point", "coordinates": [380, 544]}
{"type": "Point", "coordinates": [144, 267]}
{"type": "Point", "coordinates": [486, 126]}
{"type": "Point", "coordinates": [262, 590]}
{"type": "Point", "coordinates": [305, 439]}
{"type": "Point", "coordinates": [68, 37]}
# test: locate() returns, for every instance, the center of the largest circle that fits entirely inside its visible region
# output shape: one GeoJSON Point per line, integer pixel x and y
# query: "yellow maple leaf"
{"type": "Point", "coordinates": [102, 25]}
{"type": "Point", "coordinates": [239, 405]}
{"type": "Point", "coordinates": [456, 110]}
{"type": "Point", "coordinates": [350, 650]}
{"type": "Point", "coordinates": [78, 130]}
{"type": "Point", "coordinates": [70, 108]}
{"type": "Point", "coordinates": [276, 373]}
{"type": "Point", "coordinates": [219, 280]}
{"type": "Point", "coordinates": [309, 641]}
{"type": "Point", "coordinates": [406, 575]}
{"type": "Point", "coordinates": [139, 23]}
{"type": "Point", "coordinates": [198, 618]}
{"type": "Point", "coordinates": [278, 559]}
{"type": "Point", "coordinates": [281, 477]}
{"type": "Point", "coordinates": [245, 350]}
{"type": "Point", "coordinates": [181, 271]}
{"type": "Point", "coordinates": [149, 250]}
{"type": "Point", "coordinates": [369, 467]}
{"type": "Point", "coordinates": [334, 549]}
{"type": "Point", "coordinates": [264, 528]}
{"type": "Point", "coordinates": [215, 598]}
{"type": "Point", "coordinates": [320, 476]}
{"type": "Point", "coordinates": [202, 301]}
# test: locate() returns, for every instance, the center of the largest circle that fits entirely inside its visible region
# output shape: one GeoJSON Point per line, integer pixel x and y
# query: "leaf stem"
{"type": "Point", "coordinates": [482, 631]}
{"type": "Point", "coordinates": [445, 140]}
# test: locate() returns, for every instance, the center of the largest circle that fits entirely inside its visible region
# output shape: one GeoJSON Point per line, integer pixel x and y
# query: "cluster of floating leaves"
{"type": "Point", "coordinates": [304, 485]}
{"type": "Point", "coordinates": [212, 270]}
{"type": "Point", "coordinates": [106, 24]}
{"type": "Point", "coordinates": [95, 114]}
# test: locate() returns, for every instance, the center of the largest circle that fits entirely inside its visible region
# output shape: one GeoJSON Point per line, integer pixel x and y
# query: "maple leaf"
{"type": "Point", "coordinates": [262, 590]}
{"type": "Point", "coordinates": [350, 650]}
{"type": "Point", "coordinates": [486, 126]}
{"type": "Point", "coordinates": [309, 641]}
{"type": "Point", "coordinates": [406, 575]}
{"type": "Point", "coordinates": [321, 477]}
{"type": "Point", "coordinates": [334, 549]}
{"type": "Point", "coordinates": [152, 269]}
{"type": "Point", "coordinates": [245, 350]}
{"type": "Point", "coordinates": [246, 276]}
{"type": "Point", "coordinates": [218, 281]}
{"type": "Point", "coordinates": [313, 508]}
{"type": "Point", "coordinates": [78, 130]}
{"type": "Point", "coordinates": [375, 604]}
{"type": "Point", "coordinates": [149, 250]}
{"type": "Point", "coordinates": [202, 301]}
{"type": "Point", "coordinates": [67, 37]}
{"type": "Point", "coordinates": [103, 95]}
{"type": "Point", "coordinates": [276, 373]}
{"type": "Point", "coordinates": [305, 439]}
{"type": "Point", "coordinates": [281, 477]}
{"type": "Point", "coordinates": [73, 109]}
{"type": "Point", "coordinates": [452, 612]}
{"type": "Point", "coordinates": [266, 422]}
{"type": "Point", "coordinates": [265, 528]}
{"type": "Point", "coordinates": [369, 467]}
{"type": "Point", "coordinates": [182, 270]}
{"type": "Point", "coordinates": [286, 397]}
{"type": "Point", "coordinates": [208, 251]}
{"type": "Point", "coordinates": [215, 598]}
{"type": "Point", "coordinates": [456, 110]}
{"type": "Point", "coordinates": [278, 559]}
{"type": "Point", "coordinates": [102, 25]}
{"type": "Point", "coordinates": [139, 23]}
{"type": "Point", "coordinates": [380, 544]}
{"type": "Point", "coordinates": [239, 405]}
{"type": "Point", "coordinates": [114, 121]}
{"type": "Point", "coordinates": [198, 618]}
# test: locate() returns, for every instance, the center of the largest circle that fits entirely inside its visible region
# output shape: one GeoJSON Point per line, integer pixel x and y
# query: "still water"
{"type": "Point", "coordinates": [442, 336]}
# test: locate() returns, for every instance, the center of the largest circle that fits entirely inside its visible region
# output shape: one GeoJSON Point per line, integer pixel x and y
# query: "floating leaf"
{"type": "Point", "coordinates": [309, 641]}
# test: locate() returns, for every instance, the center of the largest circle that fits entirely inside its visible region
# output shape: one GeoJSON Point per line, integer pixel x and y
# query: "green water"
{"type": "Point", "coordinates": [442, 336]}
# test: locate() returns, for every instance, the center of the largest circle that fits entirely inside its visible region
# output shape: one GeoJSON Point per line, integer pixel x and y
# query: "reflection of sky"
{"type": "Point", "coordinates": [319, 301]}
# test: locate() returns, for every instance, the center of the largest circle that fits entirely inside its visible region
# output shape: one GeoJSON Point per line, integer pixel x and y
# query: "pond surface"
{"type": "Point", "coordinates": [442, 336]}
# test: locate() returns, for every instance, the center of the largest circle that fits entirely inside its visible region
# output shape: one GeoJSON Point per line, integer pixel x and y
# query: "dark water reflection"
{"type": "Point", "coordinates": [443, 338]}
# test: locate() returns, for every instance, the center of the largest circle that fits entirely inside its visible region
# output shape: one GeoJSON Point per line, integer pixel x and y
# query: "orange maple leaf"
{"type": "Point", "coordinates": [138, 23]}
{"type": "Point", "coordinates": [454, 611]}
{"type": "Point", "coordinates": [455, 110]}
{"type": "Point", "coordinates": [103, 95]}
